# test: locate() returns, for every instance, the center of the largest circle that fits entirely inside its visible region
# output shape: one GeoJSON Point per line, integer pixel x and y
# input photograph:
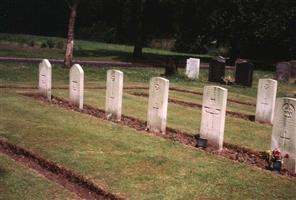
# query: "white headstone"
{"type": "Point", "coordinates": [114, 88]}
{"type": "Point", "coordinates": [192, 68]}
{"type": "Point", "coordinates": [45, 78]}
{"type": "Point", "coordinates": [76, 85]}
{"type": "Point", "coordinates": [158, 104]}
{"type": "Point", "coordinates": [284, 131]}
{"type": "Point", "coordinates": [213, 115]}
{"type": "Point", "coordinates": [266, 96]}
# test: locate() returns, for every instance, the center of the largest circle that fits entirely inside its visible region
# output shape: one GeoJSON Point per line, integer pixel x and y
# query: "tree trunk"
{"type": "Point", "coordinates": [140, 31]}
{"type": "Point", "coordinates": [70, 41]}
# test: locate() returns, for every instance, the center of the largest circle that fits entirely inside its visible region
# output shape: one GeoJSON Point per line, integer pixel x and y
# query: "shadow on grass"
{"type": "Point", "coordinates": [154, 58]}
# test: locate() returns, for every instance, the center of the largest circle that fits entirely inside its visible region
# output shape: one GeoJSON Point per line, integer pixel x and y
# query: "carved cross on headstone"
{"type": "Point", "coordinates": [284, 139]}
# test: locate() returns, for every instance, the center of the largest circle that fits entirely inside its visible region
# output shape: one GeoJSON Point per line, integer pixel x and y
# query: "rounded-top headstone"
{"type": "Point", "coordinates": [114, 88]}
{"type": "Point", "coordinates": [45, 78]}
{"type": "Point", "coordinates": [157, 104]}
{"type": "Point", "coordinates": [284, 131]}
{"type": "Point", "coordinates": [213, 115]}
{"type": "Point", "coordinates": [76, 85]}
{"type": "Point", "coordinates": [266, 97]}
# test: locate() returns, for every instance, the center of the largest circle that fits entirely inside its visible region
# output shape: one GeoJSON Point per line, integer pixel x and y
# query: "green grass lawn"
{"type": "Point", "coordinates": [237, 131]}
{"type": "Point", "coordinates": [19, 183]}
{"type": "Point", "coordinates": [30, 46]}
{"type": "Point", "coordinates": [134, 164]}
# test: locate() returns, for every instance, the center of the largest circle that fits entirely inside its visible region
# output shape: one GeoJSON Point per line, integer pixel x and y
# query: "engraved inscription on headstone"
{"type": "Point", "coordinates": [266, 96]}
{"type": "Point", "coordinates": [284, 131]}
{"type": "Point", "coordinates": [217, 69]}
{"type": "Point", "coordinates": [45, 79]}
{"type": "Point", "coordinates": [283, 70]}
{"type": "Point", "coordinates": [213, 115]}
{"type": "Point", "coordinates": [76, 85]}
{"type": "Point", "coordinates": [114, 88]}
{"type": "Point", "coordinates": [244, 72]}
{"type": "Point", "coordinates": [157, 104]}
{"type": "Point", "coordinates": [192, 68]}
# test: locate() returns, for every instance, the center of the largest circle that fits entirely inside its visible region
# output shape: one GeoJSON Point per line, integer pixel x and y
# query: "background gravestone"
{"type": "Point", "coordinates": [158, 104]}
{"type": "Point", "coordinates": [76, 85]}
{"type": "Point", "coordinates": [283, 70]}
{"type": "Point", "coordinates": [192, 68]}
{"type": "Point", "coordinates": [114, 87]}
{"type": "Point", "coordinates": [284, 131]}
{"type": "Point", "coordinates": [244, 72]}
{"type": "Point", "coordinates": [292, 78]}
{"type": "Point", "coordinates": [217, 69]}
{"type": "Point", "coordinates": [45, 79]}
{"type": "Point", "coordinates": [213, 115]}
{"type": "Point", "coordinates": [266, 96]}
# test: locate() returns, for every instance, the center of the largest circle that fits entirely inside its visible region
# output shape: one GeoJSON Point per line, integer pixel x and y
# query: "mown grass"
{"type": "Point", "coordinates": [129, 162]}
{"type": "Point", "coordinates": [18, 44]}
{"type": "Point", "coordinates": [237, 131]}
{"type": "Point", "coordinates": [19, 183]}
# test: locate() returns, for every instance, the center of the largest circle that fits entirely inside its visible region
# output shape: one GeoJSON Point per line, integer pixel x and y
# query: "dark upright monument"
{"type": "Point", "coordinates": [292, 78]}
{"type": "Point", "coordinates": [217, 69]}
{"type": "Point", "coordinates": [283, 70]}
{"type": "Point", "coordinates": [244, 72]}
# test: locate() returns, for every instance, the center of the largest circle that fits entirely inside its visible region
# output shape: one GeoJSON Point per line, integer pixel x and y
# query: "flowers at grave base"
{"type": "Point", "coordinates": [276, 155]}
{"type": "Point", "coordinates": [275, 159]}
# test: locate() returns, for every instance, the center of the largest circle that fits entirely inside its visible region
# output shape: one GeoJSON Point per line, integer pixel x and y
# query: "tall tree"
{"type": "Point", "coordinates": [71, 29]}
{"type": "Point", "coordinates": [138, 9]}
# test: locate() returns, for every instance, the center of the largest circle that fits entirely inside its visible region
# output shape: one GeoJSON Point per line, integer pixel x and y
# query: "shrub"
{"type": "Point", "coordinates": [32, 43]}
{"type": "Point", "coordinates": [43, 45]}
{"type": "Point", "coordinates": [60, 44]}
{"type": "Point", "coordinates": [50, 43]}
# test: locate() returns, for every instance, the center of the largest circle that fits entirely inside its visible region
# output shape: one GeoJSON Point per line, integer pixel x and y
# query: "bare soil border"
{"type": "Point", "coordinates": [230, 151]}
{"type": "Point", "coordinates": [129, 88]}
{"type": "Point", "coordinates": [81, 186]}
{"type": "Point", "coordinates": [195, 105]}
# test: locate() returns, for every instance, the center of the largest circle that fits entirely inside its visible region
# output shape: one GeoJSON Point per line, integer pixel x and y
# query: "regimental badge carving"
{"type": "Point", "coordinates": [113, 77]}
{"type": "Point", "coordinates": [266, 86]}
{"type": "Point", "coordinates": [75, 86]}
{"type": "Point", "coordinates": [43, 79]}
{"type": "Point", "coordinates": [156, 86]}
{"type": "Point", "coordinates": [288, 110]}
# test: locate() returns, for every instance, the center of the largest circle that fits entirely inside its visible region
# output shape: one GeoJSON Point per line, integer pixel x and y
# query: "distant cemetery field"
{"type": "Point", "coordinates": [53, 47]}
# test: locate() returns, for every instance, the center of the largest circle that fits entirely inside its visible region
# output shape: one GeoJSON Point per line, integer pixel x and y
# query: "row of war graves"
{"type": "Point", "coordinates": [213, 108]}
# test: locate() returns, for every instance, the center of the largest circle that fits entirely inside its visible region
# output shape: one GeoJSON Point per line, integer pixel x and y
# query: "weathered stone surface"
{"type": "Point", "coordinates": [283, 71]}
{"type": "Point", "coordinates": [292, 78]}
{"type": "Point", "coordinates": [158, 104]}
{"type": "Point", "coordinates": [213, 115]}
{"type": "Point", "coordinates": [244, 72]}
{"type": "Point", "coordinates": [76, 85]}
{"type": "Point", "coordinates": [114, 89]}
{"type": "Point", "coordinates": [217, 69]}
{"type": "Point", "coordinates": [266, 96]}
{"type": "Point", "coordinates": [284, 131]}
{"type": "Point", "coordinates": [192, 68]}
{"type": "Point", "coordinates": [45, 78]}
